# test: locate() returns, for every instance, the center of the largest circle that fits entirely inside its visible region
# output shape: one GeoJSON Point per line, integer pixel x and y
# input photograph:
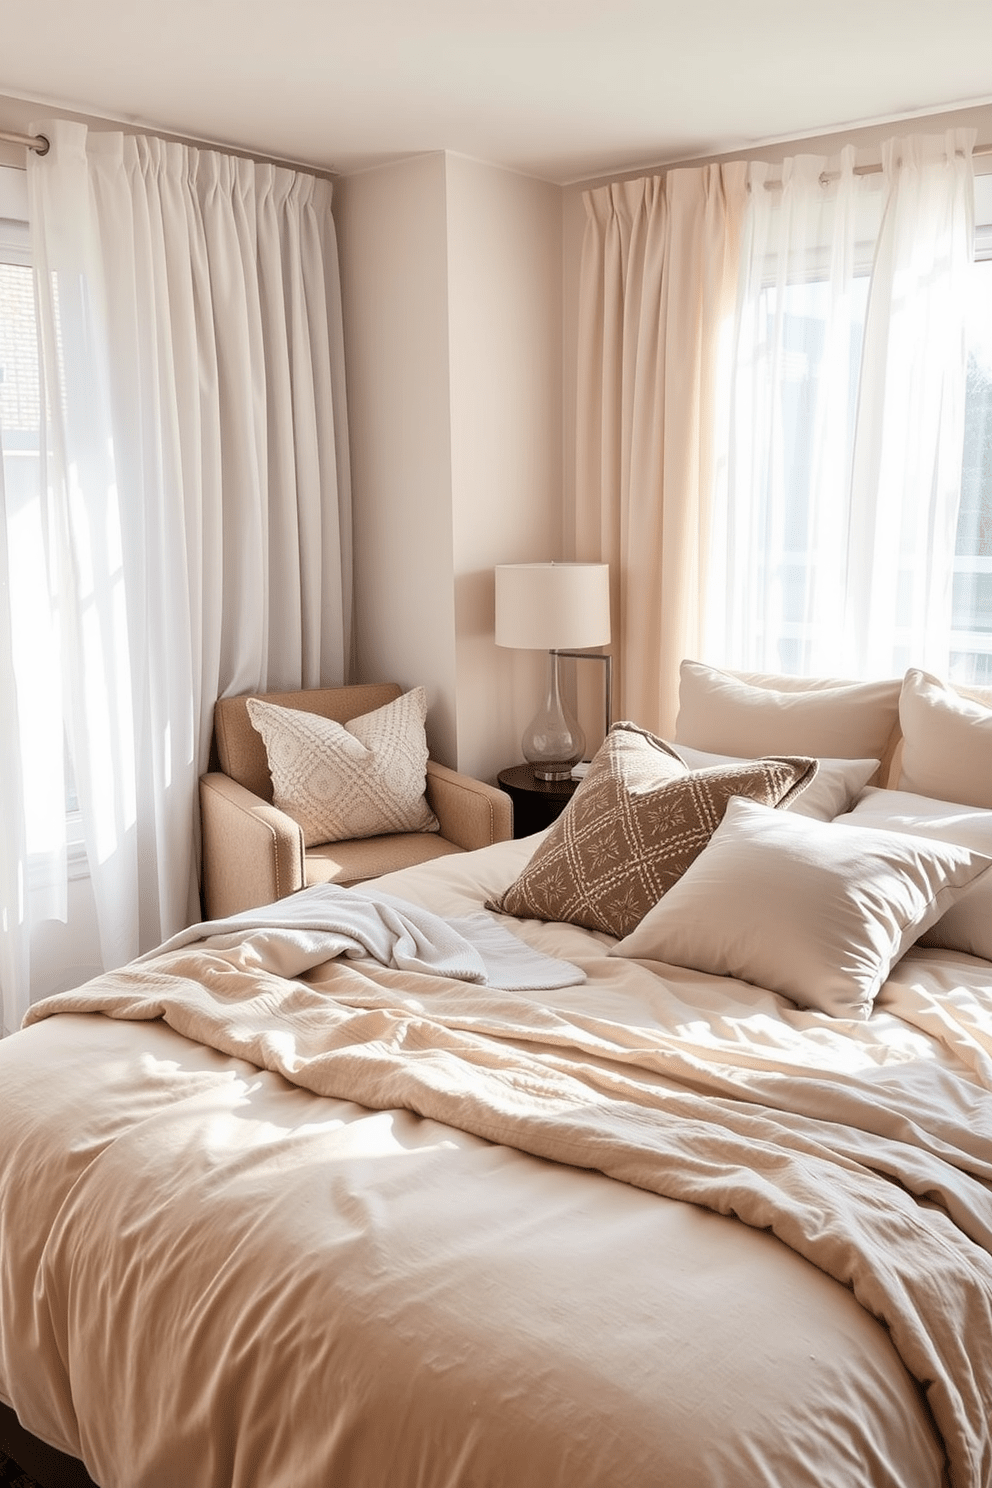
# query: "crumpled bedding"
{"type": "Point", "coordinates": [676, 1344]}
{"type": "Point", "coordinates": [326, 921]}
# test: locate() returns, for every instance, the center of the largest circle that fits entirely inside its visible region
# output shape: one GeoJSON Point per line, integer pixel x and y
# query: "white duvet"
{"type": "Point", "coordinates": [380, 1227]}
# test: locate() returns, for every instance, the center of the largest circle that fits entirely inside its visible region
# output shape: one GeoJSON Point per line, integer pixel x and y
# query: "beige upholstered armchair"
{"type": "Point", "coordinates": [254, 853]}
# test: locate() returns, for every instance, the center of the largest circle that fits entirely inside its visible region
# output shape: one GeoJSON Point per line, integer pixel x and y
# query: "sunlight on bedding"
{"type": "Point", "coordinates": [648, 1225]}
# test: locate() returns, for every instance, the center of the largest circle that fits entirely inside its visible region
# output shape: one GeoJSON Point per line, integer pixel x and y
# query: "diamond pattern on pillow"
{"type": "Point", "coordinates": [635, 824]}
{"type": "Point", "coordinates": [363, 778]}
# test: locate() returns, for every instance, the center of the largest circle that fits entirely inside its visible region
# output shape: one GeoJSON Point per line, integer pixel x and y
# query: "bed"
{"type": "Point", "coordinates": [493, 1173]}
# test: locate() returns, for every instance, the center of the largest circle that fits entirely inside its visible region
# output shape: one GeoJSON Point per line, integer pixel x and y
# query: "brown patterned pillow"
{"type": "Point", "coordinates": [637, 821]}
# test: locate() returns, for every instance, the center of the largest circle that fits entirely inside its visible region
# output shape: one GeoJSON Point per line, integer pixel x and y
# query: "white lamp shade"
{"type": "Point", "coordinates": [552, 606]}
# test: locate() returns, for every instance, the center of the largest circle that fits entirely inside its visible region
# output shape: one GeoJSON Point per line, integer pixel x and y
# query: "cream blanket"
{"type": "Point", "coordinates": [892, 1201]}
{"type": "Point", "coordinates": [324, 921]}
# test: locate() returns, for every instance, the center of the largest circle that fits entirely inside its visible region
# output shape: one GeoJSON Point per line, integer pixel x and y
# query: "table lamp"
{"type": "Point", "coordinates": [558, 608]}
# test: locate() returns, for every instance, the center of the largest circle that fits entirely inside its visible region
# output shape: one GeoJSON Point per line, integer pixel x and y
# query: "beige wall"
{"type": "Point", "coordinates": [504, 309]}
{"type": "Point", "coordinates": [392, 243]}
{"type": "Point", "coordinates": [451, 284]}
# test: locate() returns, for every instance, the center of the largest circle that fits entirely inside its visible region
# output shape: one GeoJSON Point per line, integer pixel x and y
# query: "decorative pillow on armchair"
{"type": "Point", "coordinates": [637, 821]}
{"type": "Point", "coordinates": [363, 778]}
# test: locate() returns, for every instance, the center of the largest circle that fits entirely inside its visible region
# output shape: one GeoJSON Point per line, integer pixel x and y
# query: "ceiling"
{"type": "Point", "coordinates": [565, 90]}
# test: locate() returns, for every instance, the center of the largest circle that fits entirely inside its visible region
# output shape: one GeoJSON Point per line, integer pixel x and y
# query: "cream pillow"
{"type": "Point", "coordinates": [363, 778]}
{"type": "Point", "coordinates": [967, 925]}
{"type": "Point", "coordinates": [634, 825]}
{"type": "Point", "coordinates": [815, 911]}
{"type": "Point", "coordinates": [832, 790]}
{"type": "Point", "coordinates": [947, 742]}
{"type": "Point", "coordinates": [748, 714]}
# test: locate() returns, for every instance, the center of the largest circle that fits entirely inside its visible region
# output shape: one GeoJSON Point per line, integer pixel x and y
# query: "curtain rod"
{"type": "Point", "coordinates": [41, 144]}
{"type": "Point", "coordinates": [29, 141]}
{"type": "Point", "coordinates": [872, 170]}
{"type": "Point", "coordinates": [862, 170]}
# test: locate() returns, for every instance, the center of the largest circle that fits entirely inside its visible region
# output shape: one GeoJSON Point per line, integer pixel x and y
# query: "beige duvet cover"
{"type": "Point", "coordinates": [373, 1228]}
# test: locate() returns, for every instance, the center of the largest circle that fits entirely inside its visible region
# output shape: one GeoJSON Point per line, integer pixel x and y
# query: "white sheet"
{"type": "Point", "coordinates": [461, 1311]}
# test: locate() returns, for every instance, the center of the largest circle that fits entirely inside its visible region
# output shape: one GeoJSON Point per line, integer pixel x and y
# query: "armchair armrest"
{"type": "Point", "coordinates": [252, 852]}
{"type": "Point", "coordinates": [471, 813]}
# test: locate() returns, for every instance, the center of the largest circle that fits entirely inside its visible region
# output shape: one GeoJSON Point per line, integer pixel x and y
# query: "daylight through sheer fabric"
{"type": "Point", "coordinates": [773, 377]}
{"type": "Point", "coordinates": [834, 531]}
{"type": "Point", "coordinates": [196, 513]}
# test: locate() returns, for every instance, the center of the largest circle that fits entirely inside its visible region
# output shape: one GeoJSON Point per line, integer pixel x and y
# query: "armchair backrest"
{"type": "Point", "coordinates": [240, 750]}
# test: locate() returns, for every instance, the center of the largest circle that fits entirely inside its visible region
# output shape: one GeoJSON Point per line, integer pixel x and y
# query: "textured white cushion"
{"type": "Point", "coordinates": [833, 789]}
{"type": "Point", "coordinates": [359, 779]}
{"type": "Point", "coordinates": [815, 911]}
{"type": "Point", "coordinates": [751, 715]}
{"type": "Point", "coordinates": [967, 925]}
{"type": "Point", "coordinates": [947, 742]}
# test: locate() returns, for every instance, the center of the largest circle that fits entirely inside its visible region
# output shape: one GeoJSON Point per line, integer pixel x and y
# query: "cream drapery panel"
{"type": "Point", "coordinates": [657, 289]}
{"type": "Point", "coordinates": [196, 513]}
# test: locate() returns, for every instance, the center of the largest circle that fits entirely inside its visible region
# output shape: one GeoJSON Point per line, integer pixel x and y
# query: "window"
{"type": "Point", "coordinates": [794, 444]}
{"type": "Point", "coordinates": [21, 444]}
{"type": "Point", "coordinates": [795, 319]}
{"type": "Point", "coordinates": [971, 641]}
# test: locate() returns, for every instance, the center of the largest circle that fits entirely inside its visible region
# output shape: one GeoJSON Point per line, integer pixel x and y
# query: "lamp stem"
{"type": "Point", "coordinates": [607, 661]}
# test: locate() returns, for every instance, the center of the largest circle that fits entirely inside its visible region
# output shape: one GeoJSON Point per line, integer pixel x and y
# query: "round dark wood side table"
{"type": "Point", "coordinates": [536, 803]}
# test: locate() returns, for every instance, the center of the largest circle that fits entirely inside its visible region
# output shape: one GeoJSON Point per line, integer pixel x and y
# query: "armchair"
{"type": "Point", "coordinates": [253, 853]}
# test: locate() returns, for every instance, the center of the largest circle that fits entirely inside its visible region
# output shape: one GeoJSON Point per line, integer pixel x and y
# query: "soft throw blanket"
{"type": "Point", "coordinates": [300, 932]}
{"type": "Point", "coordinates": [896, 1214]}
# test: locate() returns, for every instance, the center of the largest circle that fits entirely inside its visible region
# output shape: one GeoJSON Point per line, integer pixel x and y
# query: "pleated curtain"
{"type": "Point", "coordinates": [771, 381]}
{"type": "Point", "coordinates": [657, 292]}
{"type": "Point", "coordinates": [196, 510]}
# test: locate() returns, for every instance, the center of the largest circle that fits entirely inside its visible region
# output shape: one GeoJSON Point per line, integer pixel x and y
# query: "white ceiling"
{"type": "Point", "coordinates": [561, 89]}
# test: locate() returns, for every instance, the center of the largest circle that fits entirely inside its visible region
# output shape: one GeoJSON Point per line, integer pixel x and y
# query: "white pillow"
{"type": "Point", "coordinates": [833, 789]}
{"type": "Point", "coordinates": [749, 714]}
{"type": "Point", "coordinates": [363, 778]}
{"type": "Point", "coordinates": [967, 925]}
{"type": "Point", "coordinates": [817, 912]}
{"type": "Point", "coordinates": [947, 742]}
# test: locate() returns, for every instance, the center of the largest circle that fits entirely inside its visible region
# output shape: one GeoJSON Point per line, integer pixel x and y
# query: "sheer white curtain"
{"type": "Point", "coordinates": [197, 516]}
{"type": "Point", "coordinates": [834, 529]}
{"type": "Point", "coordinates": [33, 849]}
{"type": "Point", "coordinates": [658, 278]}
{"type": "Point", "coordinates": [33, 866]}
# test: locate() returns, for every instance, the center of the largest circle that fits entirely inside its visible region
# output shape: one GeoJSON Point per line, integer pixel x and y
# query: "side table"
{"type": "Point", "coordinates": [536, 803]}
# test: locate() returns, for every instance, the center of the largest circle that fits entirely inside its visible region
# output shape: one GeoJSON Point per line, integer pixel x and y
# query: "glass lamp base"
{"type": "Point", "coordinates": [554, 740]}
